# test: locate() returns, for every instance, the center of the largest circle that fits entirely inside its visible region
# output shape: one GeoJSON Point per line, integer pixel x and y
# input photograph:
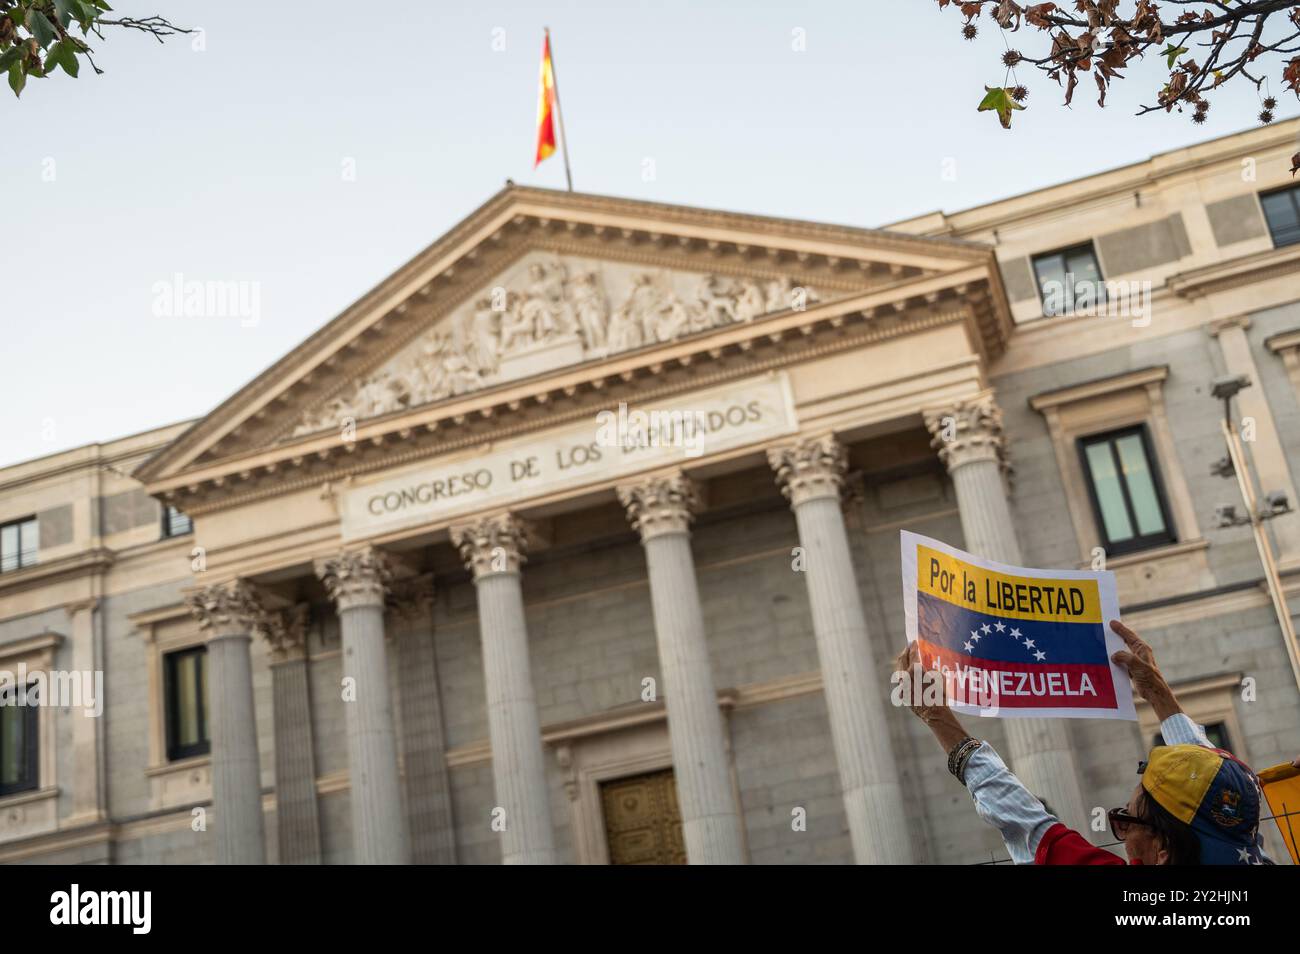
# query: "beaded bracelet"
{"type": "Point", "coordinates": [960, 755]}
{"type": "Point", "coordinates": [965, 758]}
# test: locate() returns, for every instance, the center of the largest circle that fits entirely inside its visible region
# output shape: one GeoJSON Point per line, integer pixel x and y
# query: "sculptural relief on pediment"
{"type": "Point", "coordinates": [546, 312]}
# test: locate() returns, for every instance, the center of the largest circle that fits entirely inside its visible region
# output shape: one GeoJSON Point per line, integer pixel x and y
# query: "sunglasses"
{"type": "Point", "coordinates": [1121, 821]}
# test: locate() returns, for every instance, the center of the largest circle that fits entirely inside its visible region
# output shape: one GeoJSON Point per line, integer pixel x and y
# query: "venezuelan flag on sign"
{"type": "Point", "coordinates": [545, 106]}
{"type": "Point", "coordinates": [1021, 641]}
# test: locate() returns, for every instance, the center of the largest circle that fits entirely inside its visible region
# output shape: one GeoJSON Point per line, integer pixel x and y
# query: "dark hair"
{"type": "Point", "coordinates": [1177, 838]}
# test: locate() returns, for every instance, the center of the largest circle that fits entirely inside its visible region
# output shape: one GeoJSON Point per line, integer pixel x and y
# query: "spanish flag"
{"type": "Point", "coordinates": [546, 106]}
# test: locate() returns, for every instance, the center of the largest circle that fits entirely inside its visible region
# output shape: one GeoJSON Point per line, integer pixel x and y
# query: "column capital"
{"type": "Point", "coordinates": [494, 544]}
{"type": "Point", "coordinates": [411, 598]}
{"type": "Point", "coordinates": [663, 503]}
{"type": "Point", "coordinates": [968, 431]}
{"type": "Point", "coordinates": [232, 608]}
{"type": "Point", "coordinates": [356, 577]}
{"type": "Point", "coordinates": [809, 468]}
{"type": "Point", "coordinates": [286, 632]}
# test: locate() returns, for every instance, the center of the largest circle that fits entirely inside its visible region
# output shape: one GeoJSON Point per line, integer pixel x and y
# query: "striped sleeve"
{"type": "Point", "coordinates": [1005, 803]}
{"type": "Point", "coordinates": [1179, 729]}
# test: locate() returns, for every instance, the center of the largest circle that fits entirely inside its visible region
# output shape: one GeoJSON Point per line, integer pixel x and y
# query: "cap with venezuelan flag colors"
{"type": "Point", "coordinates": [1215, 794]}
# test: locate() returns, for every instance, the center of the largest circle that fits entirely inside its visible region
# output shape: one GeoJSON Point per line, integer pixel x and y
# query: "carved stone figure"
{"type": "Point", "coordinates": [461, 376]}
{"type": "Point", "coordinates": [625, 331]}
{"type": "Point", "coordinates": [718, 301]}
{"type": "Point", "coordinates": [558, 301]}
{"type": "Point", "coordinates": [657, 312]}
{"type": "Point", "coordinates": [591, 309]}
{"type": "Point", "coordinates": [751, 302]}
{"type": "Point", "coordinates": [516, 328]}
{"type": "Point", "coordinates": [782, 294]}
{"type": "Point", "coordinates": [485, 335]}
{"type": "Point", "coordinates": [545, 308]}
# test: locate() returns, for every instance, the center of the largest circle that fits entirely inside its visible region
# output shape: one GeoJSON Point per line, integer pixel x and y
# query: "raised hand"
{"type": "Point", "coordinates": [1140, 663]}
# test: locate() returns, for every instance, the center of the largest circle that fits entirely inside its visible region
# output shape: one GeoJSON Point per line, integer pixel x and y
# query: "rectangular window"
{"type": "Point", "coordinates": [1127, 496]}
{"type": "Point", "coordinates": [1282, 212]}
{"type": "Point", "coordinates": [175, 523]}
{"type": "Point", "coordinates": [18, 740]}
{"type": "Point", "coordinates": [1069, 280]}
{"type": "Point", "coordinates": [186, 687]}
{"type": "Point", "coordinates": [19, 542]}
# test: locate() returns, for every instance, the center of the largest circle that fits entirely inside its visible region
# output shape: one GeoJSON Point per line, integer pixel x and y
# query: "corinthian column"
{"type": "Point", "coordinates": [969, 438]}
{"type": "Point", "coordinates": [419, 723]}
{"type": "Point", "coordinates": [230, 613]}
{"type": "Point", "coordinates": [297, 815]}
{"type": "Point", "coordinates": [493, 550]}
{"type": "Point", "coordinates": [811, 474]}
{"type": "Point", "coordinates": [661, 509]}
{"type": "Point", "coordinates": [357, 582]}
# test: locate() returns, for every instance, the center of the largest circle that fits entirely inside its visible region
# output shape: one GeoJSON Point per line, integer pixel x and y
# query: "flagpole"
{"type": "Point", "coordinates": [559, 113]}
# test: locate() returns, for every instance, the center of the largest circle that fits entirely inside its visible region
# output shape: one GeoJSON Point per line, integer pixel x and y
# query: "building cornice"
{"type": "Point", "coordinates": [1284, 341]}
{"type": "Point", "coordinates": [1110, 185]}
{"type": "Point", "coordinates": [85, 563]}
{"type": "Point", "coordinates": [87, 459]}
{"type": "Point", "coordinates": [45, 643]}
{"type": "Point", "coordinates": [1102, 386]}
{"type": "Point", "coordinates": [1246, 270]}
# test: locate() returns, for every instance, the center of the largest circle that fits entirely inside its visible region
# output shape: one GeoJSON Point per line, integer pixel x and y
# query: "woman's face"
{"type": "Point", "coordinates": [1140, 841]}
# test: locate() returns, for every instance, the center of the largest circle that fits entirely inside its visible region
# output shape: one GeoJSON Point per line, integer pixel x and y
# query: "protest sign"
{"type": "Point", "coordinates": [1281, 785]}
{"type": "Point", "coordinates": [1015, 642]}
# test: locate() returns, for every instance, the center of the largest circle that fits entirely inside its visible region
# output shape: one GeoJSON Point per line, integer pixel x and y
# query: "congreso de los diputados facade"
{"type": "Point", "coordinates": [576, 540]}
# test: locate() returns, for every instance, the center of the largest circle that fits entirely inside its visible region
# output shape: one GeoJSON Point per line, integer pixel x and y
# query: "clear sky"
{"type": "Point", "coordinates": [229, 162]}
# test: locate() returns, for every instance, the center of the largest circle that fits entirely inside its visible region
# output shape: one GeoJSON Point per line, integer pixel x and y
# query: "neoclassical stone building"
{"type": "Point", "coordinates": [576, 539]}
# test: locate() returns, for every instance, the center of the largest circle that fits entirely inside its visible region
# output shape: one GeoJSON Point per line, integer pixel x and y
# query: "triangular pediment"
{"type": "Point", "coordinates": [535, 282]}
{"type": "Point", "coordinates": [549, 311]}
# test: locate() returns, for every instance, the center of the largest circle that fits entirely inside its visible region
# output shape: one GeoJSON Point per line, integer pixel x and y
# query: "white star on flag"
{"type": "Point", "coordinates": [1015, 632]}
{"type": "Point", "coordinates": [998, 626]}
{"type": "Point", "coordinates": [1040, 655]}
{"type": "Point", "coordinates": [1029, 644]}
{"type": "Point", "coordinates": [986, 628]}
{"type": "Point", "coordinates": [969, 645]}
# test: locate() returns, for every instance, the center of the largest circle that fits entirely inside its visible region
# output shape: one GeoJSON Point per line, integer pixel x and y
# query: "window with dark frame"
{"type": "Point", "coordinates": [186, 691]}
{"type": "Point", "coordinates": [1069, 278]}
{"type": "Point", "coordinates": [1128, 497]}
{"type": "Point", "coordinates": [19, 542]}
{"type": "Point", "coordinates": [19, 741]}
{"type": "Point", "coordinates": [1282, 212]}
{"type": "Point", "coordinates": [175, 523]}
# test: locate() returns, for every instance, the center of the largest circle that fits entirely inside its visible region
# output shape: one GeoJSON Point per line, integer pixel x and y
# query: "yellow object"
{"type": "Point", "coordinates": [987, 591]}
{"type": "Point", "coordinates": [1178, 776]}
{"type": "Point", "coordinates": [1282, 790]}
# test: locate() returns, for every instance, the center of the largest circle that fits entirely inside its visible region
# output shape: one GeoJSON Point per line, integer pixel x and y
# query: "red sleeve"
{"type": "Point", "coordinates": [1064, 846]}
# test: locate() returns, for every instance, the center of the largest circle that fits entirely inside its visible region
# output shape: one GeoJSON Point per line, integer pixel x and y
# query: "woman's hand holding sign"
{"type": "Point", "coordinates": [1140, 663]}
{"type": "Point", "coordinates": [941, 720]}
